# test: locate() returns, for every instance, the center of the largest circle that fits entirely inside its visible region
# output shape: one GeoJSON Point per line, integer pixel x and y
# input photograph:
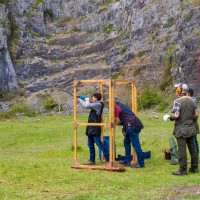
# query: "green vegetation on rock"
{"type": "Point", "coordinates": [49, 103]}
{"type": "Point", "coordinates": [49, 12]}
{"type": "Point", "coordinates": [137, 71]}
{"type": "Point", "coordinates": [155, 34]}
{"type": "Point", "coordinates": [107, 28]}
{"type": "Point", "coordinates": [37, 2]}
{"type": "Point", "coordinates": [14, 39]}
{"type": "Point", "coordinates": [123, 49]}
{"type": "Point", "coordinates": [169, 62]}
{"type": "Point", "coordinates": [2, 2]}
{"type": "Point", "coordinates": [141, 53]}
{"type": "Point", "coordinates": [169, 23]}
{"type": "Point", "coordinates": [75, 28]}
{"type": "Point", "coordinates": [106, 3]}
{"type": "Point", "coordinates": [116, 75]}
{"type": "Point", "coordinates": [19, 107]}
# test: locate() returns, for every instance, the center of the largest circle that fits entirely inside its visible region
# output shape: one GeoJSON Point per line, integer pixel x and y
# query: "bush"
{"type": "Point", "coordinates": [23, 107]}
{"type": "Point", "coordinates": [6, 96]}
{"type": "Point", "coordinates": [6, 115]}
{"type": "Point", "coordinates": [150, 98]}
{"type": "Point", "coordinates": [20, 107]}
{"type": "Point", "coordinates": [49, 103]}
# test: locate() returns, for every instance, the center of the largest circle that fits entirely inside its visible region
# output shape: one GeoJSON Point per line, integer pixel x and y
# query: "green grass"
{"type": "Point", "coordinates": [36, 155]}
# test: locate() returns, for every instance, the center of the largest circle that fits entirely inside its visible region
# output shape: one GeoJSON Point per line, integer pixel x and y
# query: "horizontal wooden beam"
{"type": "Point", "coordinates": [92, 124]}
{"type": "Point", "coordinates": [117, 169]}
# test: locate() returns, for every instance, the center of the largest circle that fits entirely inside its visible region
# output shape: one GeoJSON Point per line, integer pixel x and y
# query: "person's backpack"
{"type": "Point", "coordinates": [173, 151]}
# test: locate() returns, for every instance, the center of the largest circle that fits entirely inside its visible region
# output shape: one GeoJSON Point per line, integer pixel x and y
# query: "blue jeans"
{"type": "Point", "coordinates": [97, 140]}
{"type": "Point", "coordinates": [133, 137]}
{"type": "Point", "coordinates": [196, 143]}
{"type": "Point", "coordinates": [128, 157]}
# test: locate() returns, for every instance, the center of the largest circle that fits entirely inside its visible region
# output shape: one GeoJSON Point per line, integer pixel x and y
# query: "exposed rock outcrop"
{"type": "Point", "coordinates": [8, 78]}
{"type": "Point", "coordinates": [154, 41]}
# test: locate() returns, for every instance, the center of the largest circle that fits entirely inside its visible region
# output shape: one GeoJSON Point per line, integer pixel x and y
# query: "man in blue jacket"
{"type": "Point", "coordinates": [94, 132]}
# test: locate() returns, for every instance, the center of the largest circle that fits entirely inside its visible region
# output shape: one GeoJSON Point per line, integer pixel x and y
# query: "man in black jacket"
{"type": "Point", "coordinates": [94, 132]}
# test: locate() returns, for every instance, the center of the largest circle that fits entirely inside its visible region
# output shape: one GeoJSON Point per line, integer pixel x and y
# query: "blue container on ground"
{"type": "Point", "coordinates": [106, 142]}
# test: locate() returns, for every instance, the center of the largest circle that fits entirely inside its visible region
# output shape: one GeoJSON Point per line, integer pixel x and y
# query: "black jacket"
{"type": "Point", "coordinates": [94, 118]}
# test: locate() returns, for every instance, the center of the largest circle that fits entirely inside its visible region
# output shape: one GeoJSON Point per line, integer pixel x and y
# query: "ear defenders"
{"type": "Point", "coordinates": [179, 90]}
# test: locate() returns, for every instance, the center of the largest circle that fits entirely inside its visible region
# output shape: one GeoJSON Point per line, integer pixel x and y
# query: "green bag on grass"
{"type": "Point", "coordinates": [173, 151]}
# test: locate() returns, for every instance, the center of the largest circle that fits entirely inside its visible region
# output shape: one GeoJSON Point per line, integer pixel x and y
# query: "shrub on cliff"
{"type": "Point", "coordinates": [49, 103]}
{"type": "Point", "coordinates": [150, 97]}
{"type": "Point", "coordinates": [18, 108]}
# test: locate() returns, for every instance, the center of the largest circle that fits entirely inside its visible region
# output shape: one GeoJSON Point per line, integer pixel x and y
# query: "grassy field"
{"type": "Point", "coordinates": [36, 155]}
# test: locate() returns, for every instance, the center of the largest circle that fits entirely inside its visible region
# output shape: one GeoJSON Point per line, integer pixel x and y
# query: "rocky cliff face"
{"type": "Point", "coordinates": [150, 41]}
{"type": "Point", "coordinates": [8, 78]}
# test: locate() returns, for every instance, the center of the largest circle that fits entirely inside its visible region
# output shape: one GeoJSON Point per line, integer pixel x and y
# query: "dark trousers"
{"type": "Point", "coordinates": [97, 140]}
{"type": "Point", "coordinates": [196, 143]}
{"type": "Point", "coordinates": [182, 142]}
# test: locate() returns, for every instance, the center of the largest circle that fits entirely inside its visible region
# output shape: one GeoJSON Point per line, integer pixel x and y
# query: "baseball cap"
{"type": "Point", "coordinates": [184, 87]}
{"type": "Point", "coordinates": [177, 85]}
{"type": "Point", "coordinates": [181, 85]}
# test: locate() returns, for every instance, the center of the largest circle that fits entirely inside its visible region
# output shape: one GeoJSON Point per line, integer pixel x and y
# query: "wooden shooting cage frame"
{"type": "Point", "coordinates": [110, 123]}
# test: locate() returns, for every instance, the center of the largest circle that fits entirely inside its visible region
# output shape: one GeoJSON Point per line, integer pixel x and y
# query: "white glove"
{"type": "Point", "coordinates": [166, 117]}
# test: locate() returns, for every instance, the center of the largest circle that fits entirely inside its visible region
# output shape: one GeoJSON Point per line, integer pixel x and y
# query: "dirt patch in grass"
{"type": "Point", "coordinates": [189, 192]}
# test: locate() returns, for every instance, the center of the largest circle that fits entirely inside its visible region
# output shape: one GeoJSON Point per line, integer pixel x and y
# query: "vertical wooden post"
{"type": "Point", "coordinates": [113, 121]}
{"type": "Point", "coordinates": [134, 98]}
{"type": "Point", "coordinates": [102, 119]}
{"type": "Point", "coordinates": [110, 124]}
{"type": "Point", "coordinates": [75, 123]}
{"type": "Point", "coordinates": [134, 109]}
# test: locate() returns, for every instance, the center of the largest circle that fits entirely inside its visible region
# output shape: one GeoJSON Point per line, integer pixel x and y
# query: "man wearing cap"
{"type": "Point", "coordinates": [184, 130]}
{"type": "Point", "coordinates": [179, 87]}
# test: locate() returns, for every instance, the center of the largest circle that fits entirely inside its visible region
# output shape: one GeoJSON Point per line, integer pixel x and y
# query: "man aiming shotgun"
{"type": "Point", "coordinates": [94, 132]}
